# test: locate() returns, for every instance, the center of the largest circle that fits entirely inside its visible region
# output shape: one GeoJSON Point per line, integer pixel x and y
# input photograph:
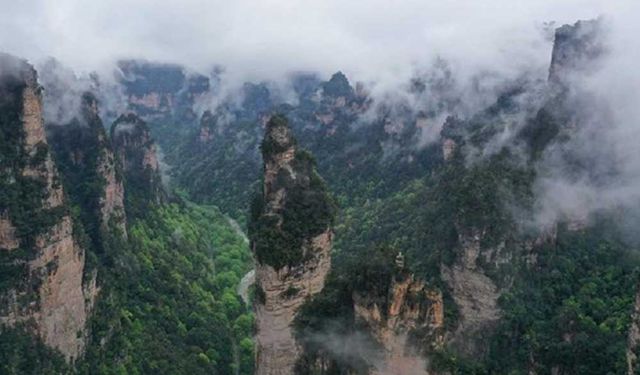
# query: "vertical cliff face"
{"type": "Point", "coordinates": [337, 102]}
{"type": "Point", "coordinates": [578, 52]}
{"type": "Point", "coordinates": [408, 325]}
{"type": "Point", "coordinates": [92, 177]}
{"type": "Point", "coordinates": [151, 88]}
{"type": "Point", "coordinates": [471, 277]}
{"type": "Point", "coordinates": [633, 337]}
{"type": "Point", "coordinates": [42, 264]}
{"type": "Point", "coordinates": [160, 91]}
{"type": "Point", "coordinates": [207, 127]}
{"type": "Point", "coordinates": [111, 201]}
{"type": "Point", "coordinates": [291, 238]}
{"type": "Point", "coordinates": [475, 293]}
{"type": "Point", "coordinates": [575, 49]}
{"type": "Point", "coordinates": [136, 151]}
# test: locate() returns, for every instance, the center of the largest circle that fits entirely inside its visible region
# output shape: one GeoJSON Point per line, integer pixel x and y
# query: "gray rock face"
{"type": "Point", "coordinates": [633, 337]}
{"type": "Point", "coordinates": [50, 297]}
{"type": "Point", "coordinates": [283, 290]}
{"type": "Point", "coordinates": [576, 49]}
{"type": "Point", "coordinates": [413, 306]}
{"type": "Point", "coordinates": [112, 198]}
{"type": "Point", "coordinates": [137, 152]}
{"type": "Point", "coordinates": [475, 294]}
{"type": "Point", "coordinates": [82, 145]}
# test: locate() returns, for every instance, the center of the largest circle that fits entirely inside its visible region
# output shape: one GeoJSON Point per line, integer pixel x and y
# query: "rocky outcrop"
{"type": "Point", "coordinates": [48, 292]}
{"type": "Point", "coordinates": [292, 263]}
{"type": "Point", "coordinates": [207, 127]}
{"type": "Point", "coordinates": [633, 337]}
{"type": "Point", "coordinates": [338, 102]}
{"type": "Point", "coordinates": [62, 312]}
{"type": "Point", "coordinates": [112, 198]}
{"type": "Point", "coordinates": [112, 201]}
{"type": "Point", "coordinates": [8, 238]}
{"type": "Point", "coordinates": [35, 140]}
{"type": "Point", "coordinates": [59, 311]}
{"type": "Point", "coordinates": [84, 154]}
{"type": "Point", "coordinates": [136, 151]}
{"type": "Point", "coordinates": [451, 137]}
{"type": "Point", "coordinates": [151, 87]}
{"type": "Point", "coordinates": [160, 91]}
{"type": "Point", "coordinates": [475, 294]}
{"type": "Point", "coordinates": [133, 143]}
{"type": "Point", "coordinates": [285, 291]}
{"type": "Point", "coordinates": [576, 48]}
{"type": "Point", "coordinates": [448, 148]}
{"type": "Point", "coordinates": [337, 91]}
{"type": "Point", "coordinates": [411, 324]}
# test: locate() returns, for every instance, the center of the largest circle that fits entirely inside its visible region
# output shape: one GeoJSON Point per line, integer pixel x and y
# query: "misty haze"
{"type": "Point", "coordinates": [288, 187]}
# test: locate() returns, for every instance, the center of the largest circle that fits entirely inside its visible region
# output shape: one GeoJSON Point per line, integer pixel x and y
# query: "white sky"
{"type": "Point", "coordinates": [368, 40]}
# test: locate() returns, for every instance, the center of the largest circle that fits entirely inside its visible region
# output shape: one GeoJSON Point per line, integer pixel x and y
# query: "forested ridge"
{"type": "Point", "coordinates": [438, 238]}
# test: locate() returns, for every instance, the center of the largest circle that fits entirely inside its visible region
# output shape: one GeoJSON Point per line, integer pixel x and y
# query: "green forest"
{"type": "Point", "coordinates": [473, 225]}
{"type": "Point", "coordinates": [170, 304]}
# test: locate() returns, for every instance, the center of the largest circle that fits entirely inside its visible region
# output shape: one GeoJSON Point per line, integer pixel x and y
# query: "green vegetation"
{"type": "Point", "coordinates": [278, 235]}
{"type": "Point", "coordinates": [171, 305]}
{"type": "Point", "coordinates": [167, 302]}
{"type": "Point", "coordinates": [21, 196]}
{"type": "Point", "coordinates": [338, 86]}
{"type": "Point", "coordinates": [81, 176]}
{"type": "Point", "coordinates": [133, 144]}
{"type": "Point", "coordinates": [330, 316]}
{"type": "Point", "coordinates": [571, 311]}
{"type": "Point", "coordinates": [223, 171]}
{"type": "Point", "coordinates": [23, 354]}
{"type": "Point", "coordinates": [568, 311]}
{"type": "Point", "coordinates": [167, 305]}
{"type": "Point", "coordinates": [352, 159]}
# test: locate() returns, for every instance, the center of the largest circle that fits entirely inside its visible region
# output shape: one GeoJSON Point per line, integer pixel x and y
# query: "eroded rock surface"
{"type": "Point", "coordinates": [49, 294]}
{"type": "Point", "coordinates": [136, 151]}
{"type": "Point", "coordinates": [84, 153]}
{"type": "Point", "coordinates": [413, 310]}
{"type": "Point", "coordinates": [475, 294]}
{"type": "Point", "coordinates": [633, 337]}
{"type": "Point", "coordinates": [283, 286]}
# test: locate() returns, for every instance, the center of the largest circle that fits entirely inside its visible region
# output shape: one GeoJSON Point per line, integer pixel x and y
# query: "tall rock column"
{"type": "Point", "coordinates": [136, 150]}
{"type": "Point", "coordinates": [92, 179]}
{"type": "Point", "coordinates": [633, 337]}
{"type": "Point", "coordinates": [42, 267]}
{"type": "Point", "coordinates": [291, 237]}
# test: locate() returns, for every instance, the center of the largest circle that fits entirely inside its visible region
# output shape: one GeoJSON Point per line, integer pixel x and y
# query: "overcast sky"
{"type": "Point", "coordinates": [369, 40]}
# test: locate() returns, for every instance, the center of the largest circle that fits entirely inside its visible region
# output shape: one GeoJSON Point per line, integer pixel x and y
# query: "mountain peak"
{"type": "Point", "coordinates": [576, 47]}
{"type": "Point", "coordinates": [12, 66]}
{"type": "Point", "coordinates": [338, 85]}
{"type": "Point", "coordinates": [278, 137]}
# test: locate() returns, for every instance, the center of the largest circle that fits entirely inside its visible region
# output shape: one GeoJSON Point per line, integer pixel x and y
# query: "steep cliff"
{"type": "Point", "coordinates": [157, 91]}
{"type": "Point", "coordinates": [408, 324]}
{"type": "Point", "coordinates": [44, 285]}
{"type": "Point", "coordinates": [291, 237]}
{"type": "Point", "coordinates": [474, 292]}
{"type": "Point", "coordinates": [136, 151]}
{"type": "Point", "coordinates": [633, 337]}
{"type": "Point", "coordinates": [575, 50]}
{"type": "Point", "coordinates": [337, 102]}
{"type": "Point", "coordinates": [91, 175]}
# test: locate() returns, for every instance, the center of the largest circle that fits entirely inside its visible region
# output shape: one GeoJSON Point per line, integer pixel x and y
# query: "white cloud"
{"type": "Point", "coordinates": [369, 40]}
